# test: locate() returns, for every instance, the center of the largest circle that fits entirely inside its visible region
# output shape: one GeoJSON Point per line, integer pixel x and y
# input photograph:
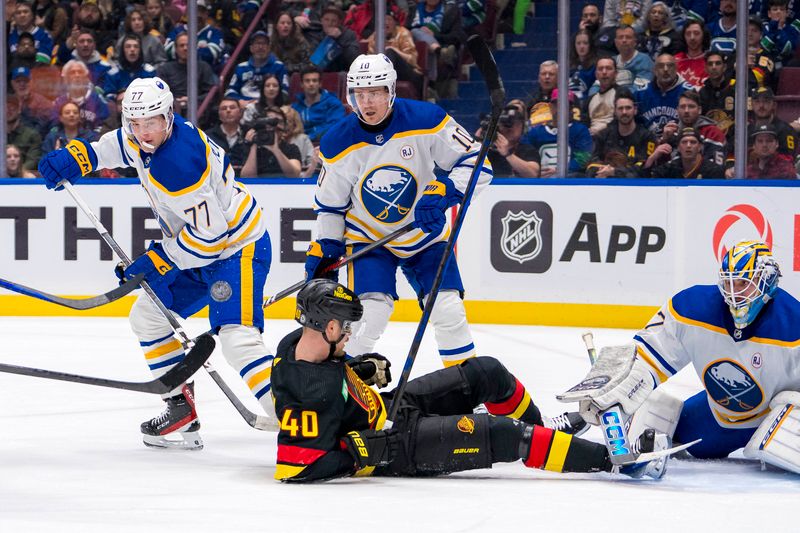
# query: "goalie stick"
{"type": "Point", "coordinates": [191, 363]}
{"type": "Point", "coordinates": [81, 304]}
{"type": "Point", "coordinates": [488, 69]}
{"type": "Point", "coordinates": [257, 421]}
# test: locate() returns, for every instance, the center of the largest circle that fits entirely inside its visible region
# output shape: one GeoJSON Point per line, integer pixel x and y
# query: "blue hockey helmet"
{"type": "Point", "coordinates": [748, 279]}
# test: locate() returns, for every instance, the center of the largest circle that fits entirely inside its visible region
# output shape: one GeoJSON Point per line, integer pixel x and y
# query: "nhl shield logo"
{"type": "Point", "coordinates": [522, 237]}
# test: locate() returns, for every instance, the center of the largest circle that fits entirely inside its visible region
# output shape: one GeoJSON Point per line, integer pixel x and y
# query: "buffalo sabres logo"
{"type": "Point", "coordinates": [732, 387]}
{"type": "Point", "coordinates": [388, 193]}
{"type": "Point", "coordinates": [522, 236]}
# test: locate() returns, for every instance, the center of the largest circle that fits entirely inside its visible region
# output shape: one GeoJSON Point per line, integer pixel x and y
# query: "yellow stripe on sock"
{"type": "Point", "coordinates": [259, 377]}
{"type": "Point", "coordinates": [162, 350]}
{"type": "Point", "coordinates": [246, 267]}
{"type": "Point", "coordinates": [523, 405]}
{"type": "Point", "coordinates": [558, 451]}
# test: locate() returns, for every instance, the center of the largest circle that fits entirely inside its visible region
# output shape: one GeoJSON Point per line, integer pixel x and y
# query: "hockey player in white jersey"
{"type": "Point", "coordinates": [215, 249]}
{"type": "Point", "coordinates": [378, 175]}
{"type": "Point", "coordinates": [743, 339]}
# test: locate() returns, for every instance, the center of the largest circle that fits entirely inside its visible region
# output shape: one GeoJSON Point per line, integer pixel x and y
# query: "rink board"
{"type": "Point", "coordinates": [556, 252]}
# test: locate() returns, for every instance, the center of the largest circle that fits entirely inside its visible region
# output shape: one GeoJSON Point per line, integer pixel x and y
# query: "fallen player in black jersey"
{"type": "Point", "coordinates": [332, 420]}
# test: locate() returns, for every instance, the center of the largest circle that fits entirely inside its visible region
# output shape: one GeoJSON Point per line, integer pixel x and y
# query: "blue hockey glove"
{"type": "Point", "coordinates": [155, 264]}
{"type": "Point", "coordinates": [320, 254]}
{"type": "Point", "coordinates": [76, 159]}
{"type": "Point", "coordinates": [429, 213]}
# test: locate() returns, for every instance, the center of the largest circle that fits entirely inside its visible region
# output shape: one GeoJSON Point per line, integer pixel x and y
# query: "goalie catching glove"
{"type": "Point", "coordinates": [370, 447]}
{"type": "Point", "coordinates": [617, 377]}
{"type": "Point", "coordinates": [372, 368]}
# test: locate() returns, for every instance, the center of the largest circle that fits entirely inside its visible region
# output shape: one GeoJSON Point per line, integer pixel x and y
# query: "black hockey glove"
{"type": "Point", "coordinates": [371, 447]}
{"type": "Point", "coordinates": [372, 368]}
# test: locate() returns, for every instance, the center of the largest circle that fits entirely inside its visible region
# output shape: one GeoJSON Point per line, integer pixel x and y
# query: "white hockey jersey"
{"type": "Point", "coordinates": [740, 370]}
{"type": "Point", "coordinates": [370, 181]}
{"type": "Point", "coordinates": [203, 213]}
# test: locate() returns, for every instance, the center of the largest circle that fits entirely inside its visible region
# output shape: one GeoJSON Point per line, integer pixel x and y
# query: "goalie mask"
{"type": "Point", "coordinates": [147, 98]}
{"type": "Point", "coordinates": [748, 279]}
{"type": "Point", "coordinates": [371, 70]}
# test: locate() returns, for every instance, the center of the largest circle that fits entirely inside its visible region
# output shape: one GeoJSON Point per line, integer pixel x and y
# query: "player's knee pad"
{"type": "Point", "coordinates": [452, 443]}
{"type": "Point", "coordinates": [147, 322]}
{"type": "Point", "coordinates": [777, 439]}
{"type": "Point", "coordinates": [244, 349]}
{"type": "Point", "coordinates": [377, 310]}
{"type": "Point", "coordinates": [661, 411]}
{"type": "Point", "coordinates": [489, 379]}
{"type": "Point", "coordinates": [449, 319]}
{"type": "Point", "coordinates": [505, 435]}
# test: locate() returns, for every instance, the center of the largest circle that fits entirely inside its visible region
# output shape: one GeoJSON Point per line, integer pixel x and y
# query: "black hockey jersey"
{"type": "Point", "coordinates": [626, 154]}
{"type": "Point", "coordinates": [317, 404]}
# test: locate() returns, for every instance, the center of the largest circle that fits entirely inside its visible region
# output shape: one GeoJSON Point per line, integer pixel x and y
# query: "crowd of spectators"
{"type": "Point", "coordinates": [651, 83]}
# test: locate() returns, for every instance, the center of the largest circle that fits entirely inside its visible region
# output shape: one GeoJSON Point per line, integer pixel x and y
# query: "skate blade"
{"type": "Point", "coordinates": [177, 440]}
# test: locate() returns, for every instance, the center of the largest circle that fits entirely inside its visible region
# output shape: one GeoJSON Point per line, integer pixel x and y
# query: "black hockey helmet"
{"type": "Point", "coordinates": [323, 300]}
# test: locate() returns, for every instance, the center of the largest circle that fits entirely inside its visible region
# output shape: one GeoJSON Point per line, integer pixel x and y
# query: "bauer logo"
{"type": "Point", "coordinates": [388, 192]}
{"type": "Point", "coordinates": [522, 237]}
{"type": "Point", "coordinates": [732, 387]}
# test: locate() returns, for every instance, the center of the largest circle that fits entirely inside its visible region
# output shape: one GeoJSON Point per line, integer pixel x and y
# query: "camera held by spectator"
{"type": "Point", "coordinates": [265, 130]}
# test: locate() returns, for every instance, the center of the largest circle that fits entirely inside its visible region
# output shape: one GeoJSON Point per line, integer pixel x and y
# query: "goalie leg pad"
{"type": "Point", "coordinates": [244, 349]}
{"type": "Point", "coordinates": [449, 319]}
{"type": "Point", "coordinates": [661, 411]}
{"type": "Point", "coordinates": [447, 444]}
{"type": "Point", "coordinates": [162, 350]}
{"type": "Point", "coordinates": [777, 439]}
{"type": "Point", "coordinates": [377, 310]}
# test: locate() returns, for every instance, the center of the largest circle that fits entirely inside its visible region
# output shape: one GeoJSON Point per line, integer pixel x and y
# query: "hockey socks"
{"type": "Point", "coordinates": [560, 452]}
{"type": "Point", "coordinates": [518, 405]}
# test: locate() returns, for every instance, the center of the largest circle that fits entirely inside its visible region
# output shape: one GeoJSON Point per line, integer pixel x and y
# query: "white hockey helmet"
{"type": "Point", "coordinates": [371, 70]}
{"type": "Point", "coordinates": [145, 98]}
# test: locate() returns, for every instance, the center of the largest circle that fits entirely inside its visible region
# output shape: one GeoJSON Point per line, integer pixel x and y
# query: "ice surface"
{"type": "Point", "coordinates": [71, 457]}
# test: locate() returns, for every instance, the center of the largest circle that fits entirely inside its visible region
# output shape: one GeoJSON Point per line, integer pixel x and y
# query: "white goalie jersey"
{"type": "Point", "coordinates": [370, 182]}
{"type": "Point", "coordinates": [741, 370]}
{"type": "Point", "coordinates": [203, 213]}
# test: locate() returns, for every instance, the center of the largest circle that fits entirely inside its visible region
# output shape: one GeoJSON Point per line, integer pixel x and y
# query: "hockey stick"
{"type": "Point", "coordinates": [250, 417]}
{"type": "Point", "coordinates": [191, 363]}
{"type": "Point", "coordinates": [80, 304]}
{"type": "Point", "coordinates": [488, 68]}
{"type": "Point", "coordinates": [342, 262]}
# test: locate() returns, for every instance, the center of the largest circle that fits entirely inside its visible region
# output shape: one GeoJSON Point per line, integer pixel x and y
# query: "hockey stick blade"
{"type": "Point", "coordinates": [181, 372]}
{"type": "Point", "coordinates": [646, 457]}
{"type": "Point", "coordinates": [80, 304]}
{"type": "Point", "coordinates": [264, 423]}
{"type": "Point", "coordinates": [488, 67]}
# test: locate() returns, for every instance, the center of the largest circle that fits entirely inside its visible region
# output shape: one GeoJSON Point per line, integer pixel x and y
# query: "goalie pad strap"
{"type": "Point", "coordinates": [777, 439]}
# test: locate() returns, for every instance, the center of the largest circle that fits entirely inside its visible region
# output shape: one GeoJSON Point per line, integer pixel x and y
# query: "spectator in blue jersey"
{"type": "Point", "coordinates": [210, 40]}
{"type": "Point", "coordinates": [24, 22]}
{"type": "Point", "coordinates": [25, 54]}
{"type": "Point", "coordinates": [722, 28]}
{"type": "Point", "coordinates": [659, 35]}
{"type": "Point", "coordinates": [86, 52]}
{"type": "Point", "coordinates": [543, 138]}
{"type": "Point", "coordinates": [318, 108]}
{"type": "Point", "coordinates": [137, 22]}
{"type": "Point", "coordinates": [69, 127]}
{"type": "Point", "coordinates": [780, 34]}
{"type": "Point", "coordinates": [79, 89]}
{"type": "Point", "coordinates": [131, 66]}
{"type": "Point", "coordinates": [248, 78]}
{"type": "Point", "coordinates": [582, 60]}
{"type": "Point", "coordinates": [634, 68]}
{"type": "Point", "coordinates": [658, 102]}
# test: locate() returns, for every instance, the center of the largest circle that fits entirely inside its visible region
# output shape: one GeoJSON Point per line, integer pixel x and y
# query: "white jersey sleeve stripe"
{"type": "Point", "coordinates": [122, 148]}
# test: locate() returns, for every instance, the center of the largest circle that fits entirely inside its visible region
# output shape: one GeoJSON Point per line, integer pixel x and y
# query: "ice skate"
{"type": "Point", "coordinates": [649, 441]}
{"type": "Point", "coordinates": [572, 423]}
{"type": "Point", "coordinates": [177, 427]}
